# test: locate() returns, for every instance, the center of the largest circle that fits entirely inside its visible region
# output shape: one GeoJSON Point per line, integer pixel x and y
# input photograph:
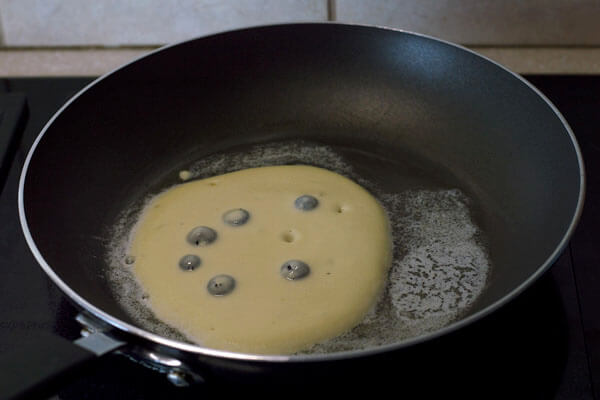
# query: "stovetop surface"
{"type": "Point", "coordinates": [544, 344]}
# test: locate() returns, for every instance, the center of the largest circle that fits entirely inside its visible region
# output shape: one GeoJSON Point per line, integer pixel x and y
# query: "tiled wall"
{"type": "Point", "coordinates": [140, 22]}
{"type": "Point", "coordinates": [485, 22]}
{"type": "Point", "coordinates": [34, 23]}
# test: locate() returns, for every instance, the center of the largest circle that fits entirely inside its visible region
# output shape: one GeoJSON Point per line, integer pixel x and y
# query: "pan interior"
{"type": "Point", "coordinates": [440, 264]}
{"type": "Point", "coordinates": [405, 111]}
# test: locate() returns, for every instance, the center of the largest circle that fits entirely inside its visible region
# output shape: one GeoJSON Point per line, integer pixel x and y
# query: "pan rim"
{"type": "Point", "coordinates": [204, 351]}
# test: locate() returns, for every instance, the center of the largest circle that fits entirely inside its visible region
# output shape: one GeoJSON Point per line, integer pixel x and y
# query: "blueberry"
{"type": "Point", "coordinates": [236, 217]}
{"type": "Point", "coordinates": [201, 236]}
{"type": "Point", "coordinates": [189, 262]}
{"type": "Point", "coordinates": [306, 203]}
{"type": "Point", "coordinates": [294, 269]}
{"type": "Point", "coordinates": [221, 285]}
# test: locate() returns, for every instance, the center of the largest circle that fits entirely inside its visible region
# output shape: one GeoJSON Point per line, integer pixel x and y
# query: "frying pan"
{"type": "Point", "coordinates": [396, 103]}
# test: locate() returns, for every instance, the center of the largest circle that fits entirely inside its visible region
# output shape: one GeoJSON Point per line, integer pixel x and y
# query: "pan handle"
{"type": "Point", "coordinates": [42, 362]}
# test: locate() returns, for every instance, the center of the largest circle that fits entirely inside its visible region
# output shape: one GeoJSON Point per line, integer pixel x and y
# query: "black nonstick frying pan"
{"type": "Point", "coordinates": [402, 108]}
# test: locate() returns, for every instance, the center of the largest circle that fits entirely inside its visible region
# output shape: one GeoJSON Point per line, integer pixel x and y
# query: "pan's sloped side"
{"type": "Point", "coordinates": [386, 91]}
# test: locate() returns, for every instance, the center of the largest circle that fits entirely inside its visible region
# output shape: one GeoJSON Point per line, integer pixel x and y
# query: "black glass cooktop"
{"type": "Point", "coordinates": [544, 344]}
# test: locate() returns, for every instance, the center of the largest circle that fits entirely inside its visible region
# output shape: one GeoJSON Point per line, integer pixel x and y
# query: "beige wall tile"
{"type": "Point", "coordinates": [65, 62]}
{"type": "Point", "coordinates": [484, 22]}
{"type": "Point", "coordinates": [546, 60]}
{"type": "Point", "coordinates": [141, 22]}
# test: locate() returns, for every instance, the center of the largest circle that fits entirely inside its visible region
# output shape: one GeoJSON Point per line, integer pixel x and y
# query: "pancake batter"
{"type": "Point", "coordinates": [265, 260]}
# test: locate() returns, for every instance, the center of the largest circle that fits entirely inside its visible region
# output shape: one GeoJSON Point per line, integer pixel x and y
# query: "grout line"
{"type": "Point", "coordinates": [80, 47]}
{"type": "Point", "coordinates": [1, 32]}
{"type": "Point", "coordinates": [329, 16]}
{"type": "Point", "coordinates": [523, 46]}
{"type": "Point", "coordinates": [331, 10]}
{"type": "Point", "coordinates": [585, 344]}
